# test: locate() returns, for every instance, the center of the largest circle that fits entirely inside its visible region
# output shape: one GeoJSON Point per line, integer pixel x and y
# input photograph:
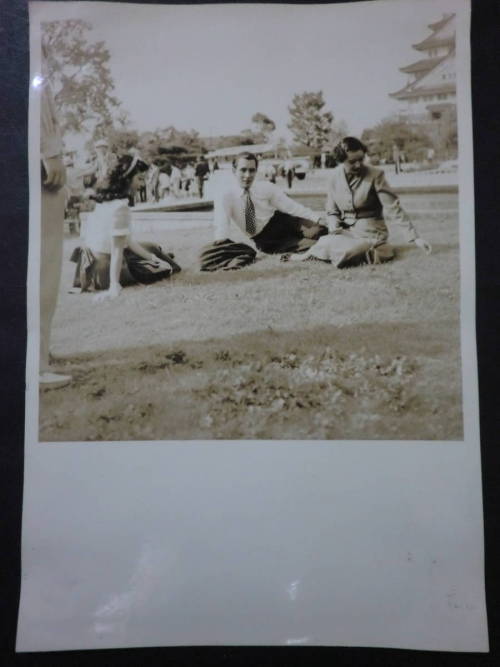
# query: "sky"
{"type": "Point", "coordinates": [211, 67]}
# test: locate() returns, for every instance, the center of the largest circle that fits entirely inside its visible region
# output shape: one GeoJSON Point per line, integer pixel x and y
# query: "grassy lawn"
{"type": "Point", "coordinates": [273, 351]}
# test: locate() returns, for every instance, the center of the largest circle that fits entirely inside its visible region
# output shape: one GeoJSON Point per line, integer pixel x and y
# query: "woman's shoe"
{"type": "Point", "coordinates": [50, 380]}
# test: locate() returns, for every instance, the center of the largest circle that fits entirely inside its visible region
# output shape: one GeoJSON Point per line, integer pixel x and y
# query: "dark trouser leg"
{"type": "Point", "coordinates": [226, 255]}
{"type": "Point", "coordinates": [141, 271]}
{"type": "Point", "coordinates": [285, 233]}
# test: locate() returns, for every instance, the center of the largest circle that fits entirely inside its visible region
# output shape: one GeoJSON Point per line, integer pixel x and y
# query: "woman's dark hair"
{"type": "Point", "coordinates": [350, 144]}
{"type": "Point", "coordinates": [246, 156]}
{"type": "Point", "coordinates": [116, 184]}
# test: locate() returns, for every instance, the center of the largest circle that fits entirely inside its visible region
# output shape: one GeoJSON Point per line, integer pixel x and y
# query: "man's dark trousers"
{"type": "Point", "coordinates": [282, 234]}
{"type": "Point", "coordinates": [286, 233]}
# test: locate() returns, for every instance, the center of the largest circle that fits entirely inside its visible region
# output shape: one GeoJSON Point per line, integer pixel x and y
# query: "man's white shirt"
{"type": "Point", "coordinates": [267, 198]}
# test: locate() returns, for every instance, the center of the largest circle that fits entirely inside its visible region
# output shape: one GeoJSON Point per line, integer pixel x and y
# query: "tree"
{"type": "Point", "coordinates": [246, 138]}
{"type": "Point", "coordinates": [311, 126]}
{"type": "Point", "coordinates": [79, 74]}
{"type": "Point", "coordinates": [121, 141]}
{"type": "Point", "coordinates": [410, 137]}
{"type": "Point", "coordinates": [170, 141]}
{"type": "Point", "coordinates": [263, 124]}
{"type": "Point", "coordinates": [444, 132]}
{"type": "Point", "coordinates": [339, 131]}
{"type": "Point", "coordinates": [249, 137]}
{"type": "Point", "coordinates": [148, 144]}
{"type": "Point", "coordinates": [190, 140]}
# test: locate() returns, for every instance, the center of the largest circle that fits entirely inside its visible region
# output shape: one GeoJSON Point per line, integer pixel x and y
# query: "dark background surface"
{"type": "Point", "coordinates": [14, 70]}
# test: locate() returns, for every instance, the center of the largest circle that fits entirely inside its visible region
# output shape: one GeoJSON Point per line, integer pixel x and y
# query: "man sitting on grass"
{"type": "Point", "coordinates": [270, 221]}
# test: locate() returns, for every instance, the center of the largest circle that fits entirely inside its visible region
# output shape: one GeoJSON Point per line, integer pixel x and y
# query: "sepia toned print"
{"type": "Point", "coordinates": [255, 245]}
{"type": "Point", "coordinates": [251, 405]}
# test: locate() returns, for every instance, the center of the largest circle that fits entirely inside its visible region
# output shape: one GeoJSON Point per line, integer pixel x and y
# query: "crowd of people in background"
{"type": "Point", "coordinates": [185, 176]}
{"type": "Point", "coordinates": [170, 178]}
{"type": "Point", "coordinates": [165, 177]}
{"type": "Point", "coordinates": [181, 177]}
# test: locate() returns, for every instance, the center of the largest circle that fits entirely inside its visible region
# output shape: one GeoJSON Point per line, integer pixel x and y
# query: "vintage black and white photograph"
{"type": "Point", "coordinates": [249, 221]}
{"type": "Point", "coordinates": [251, 388]}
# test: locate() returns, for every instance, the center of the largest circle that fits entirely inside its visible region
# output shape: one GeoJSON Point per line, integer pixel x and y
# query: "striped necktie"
{"type": "Point", "coordinates": [250, 225]}
{"type": "Point", "coordinates": [352, 179]}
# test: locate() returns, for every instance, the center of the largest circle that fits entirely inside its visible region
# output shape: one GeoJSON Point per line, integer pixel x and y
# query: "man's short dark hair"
{"type": "Point", "coordinates": [346, 144]}
{"type": "Point", "coordinates": [246, 155]}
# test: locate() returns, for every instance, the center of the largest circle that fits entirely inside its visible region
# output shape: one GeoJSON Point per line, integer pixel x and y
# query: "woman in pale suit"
{"type": "Point", "coordinates": [358, 197]}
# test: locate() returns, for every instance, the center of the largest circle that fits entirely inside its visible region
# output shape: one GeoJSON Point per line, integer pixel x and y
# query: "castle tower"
{"type": "Point", "coordinates": [430, 91]}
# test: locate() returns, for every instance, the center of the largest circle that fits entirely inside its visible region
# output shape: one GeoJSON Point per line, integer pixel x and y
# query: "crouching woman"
{"type": "Point", "coordinates": [110, 258]}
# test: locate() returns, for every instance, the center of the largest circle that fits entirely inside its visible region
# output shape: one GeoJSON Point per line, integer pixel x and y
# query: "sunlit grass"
{"type": "Point", "coordinates": [270, 351]}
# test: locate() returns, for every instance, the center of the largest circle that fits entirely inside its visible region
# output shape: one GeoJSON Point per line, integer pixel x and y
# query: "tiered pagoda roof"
{"type": "Point", "coordinates": [421, 67]}
{"type": "Point", "coordinates": [434, 41]}
{"type": "Point", "coordinates": [440, 24]}
{"type": "Point", "coordinates": [409, 91]}
{"type": "Point", "coordinates": [423, 84]}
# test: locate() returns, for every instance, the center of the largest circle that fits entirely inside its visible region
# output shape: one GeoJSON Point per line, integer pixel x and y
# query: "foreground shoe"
{"type": "Point", "coordinates": [50, 380]}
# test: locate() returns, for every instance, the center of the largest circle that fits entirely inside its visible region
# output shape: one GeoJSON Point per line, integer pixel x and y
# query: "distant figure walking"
{"type": "Point", "coordinates": [289, 172]}
{"type": "Point", "coordinates": [105, 158]}
{"type": "Point", "coordinates": [152, 177]}
{"type": "Point", "coordinates": [175, 181]}
{"type": "Point", "coordinates": [164, 183]}
{"type": "Point", "coordinates": [396, 158]}
{"type": "Point", "coordinates": [188, 175]}
{"type": "Point", "coordinates": [201, 172]}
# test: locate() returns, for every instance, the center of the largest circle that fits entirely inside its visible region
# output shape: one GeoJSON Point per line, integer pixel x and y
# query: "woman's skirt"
{"type": "Point", "coordinates": [345, 249]}
{"type": "Point", "coordinates": [92, 269]}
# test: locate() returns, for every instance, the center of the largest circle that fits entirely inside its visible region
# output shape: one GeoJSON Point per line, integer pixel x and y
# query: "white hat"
{"type": "Point", "coordinates": [101, 142]}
